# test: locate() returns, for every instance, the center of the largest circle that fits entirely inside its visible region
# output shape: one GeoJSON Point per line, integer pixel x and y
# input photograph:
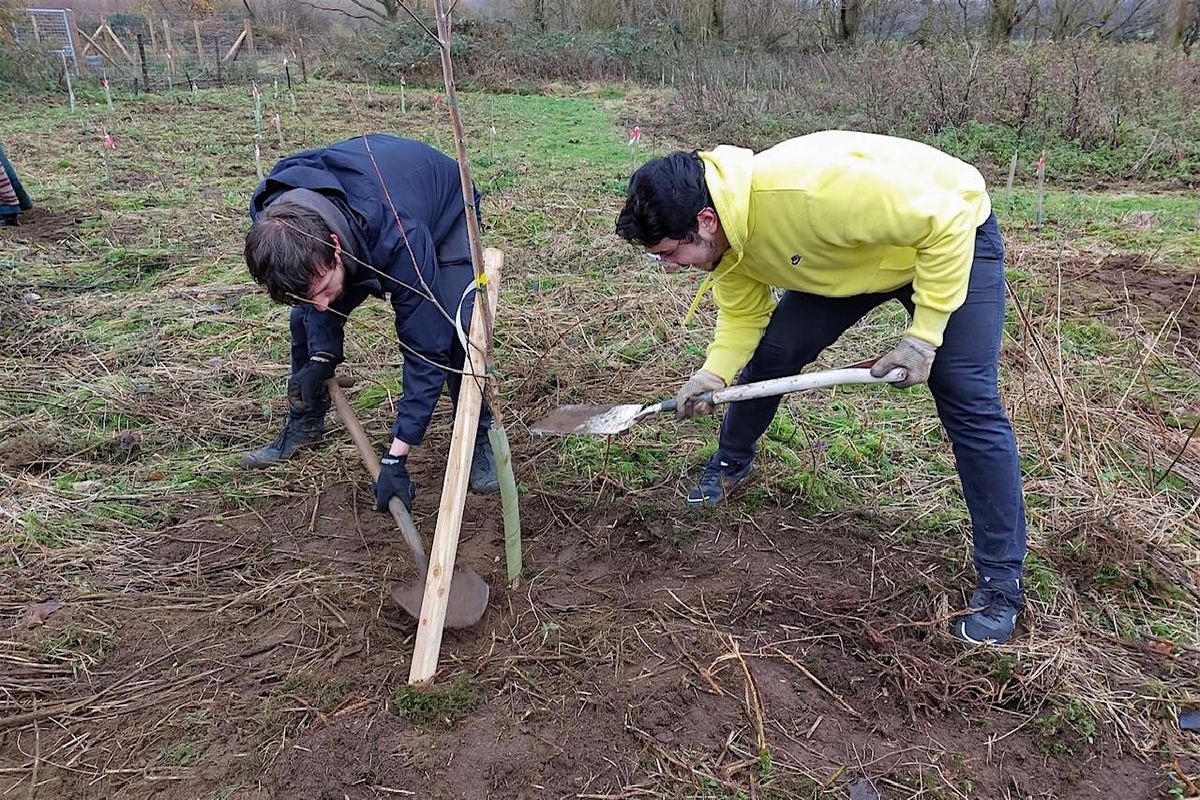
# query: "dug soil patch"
{"type": "Point", "coordinates": [1128, 284]}
{"type": "Point", "coordinates": [648, 653]}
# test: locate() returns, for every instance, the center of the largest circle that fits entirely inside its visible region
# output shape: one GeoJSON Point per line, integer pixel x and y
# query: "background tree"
{"type": "Point", "coordinates": [1004, 16]}
{"type": "Point", "coordinates": [1181, 27]}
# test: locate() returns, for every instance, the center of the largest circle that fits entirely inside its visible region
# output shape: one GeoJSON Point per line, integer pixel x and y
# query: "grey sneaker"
{"type": "Point", "coordinates": [719, 478]}
{"type": "Point", "coordinates": [484, 479]}
{"type": "Point", "coordinates": [297, 433]}
{"type": "Point", "coordinates": [995, 606]}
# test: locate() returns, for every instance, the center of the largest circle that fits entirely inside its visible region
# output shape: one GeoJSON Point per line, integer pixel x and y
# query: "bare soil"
{"type": "Point", "coordinates": [41, 225]}
{"type": "Point", "coordinates": [1129, 283]}
{"type": "Point", "coordinates": [251, 653]}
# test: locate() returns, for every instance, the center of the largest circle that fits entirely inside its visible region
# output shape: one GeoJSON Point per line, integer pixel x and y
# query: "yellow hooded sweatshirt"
{"type": "Point", "coordinates": [836, 214]}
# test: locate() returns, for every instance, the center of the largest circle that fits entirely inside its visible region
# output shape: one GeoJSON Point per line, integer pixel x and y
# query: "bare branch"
{"type": "Point", "coordinates": [417, 20]}
{"type": "Point", "coordinates": [342, 11]}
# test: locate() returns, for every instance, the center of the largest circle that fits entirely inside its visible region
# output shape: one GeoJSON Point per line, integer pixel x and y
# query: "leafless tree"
{"type": "Point", "coordinates": [1064, 19]}
{"type": "Point", "coordinates": [1004, 16]}
{"type": "Point", "coordinates": [1182, 28]}
{"type": "Point", "coordinates": [379, 12]}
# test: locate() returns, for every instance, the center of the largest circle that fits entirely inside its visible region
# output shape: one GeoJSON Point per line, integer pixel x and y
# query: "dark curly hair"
{"type": "Point", "coordinates": [665, 195]}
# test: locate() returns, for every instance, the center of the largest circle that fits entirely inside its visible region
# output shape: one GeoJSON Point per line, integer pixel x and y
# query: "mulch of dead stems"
{"type": "Point", "coordinates": [243, 643]}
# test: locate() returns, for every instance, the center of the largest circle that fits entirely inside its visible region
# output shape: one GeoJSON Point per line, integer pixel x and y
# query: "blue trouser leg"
{"type": "Point", "coordinates": [965, 386]}
{"type": "Point", "coordinates": [299, 334]}
{"type": "Point", "coordinates": [800, 328]}
{"type": "Point", "coordinates": [299, 338]}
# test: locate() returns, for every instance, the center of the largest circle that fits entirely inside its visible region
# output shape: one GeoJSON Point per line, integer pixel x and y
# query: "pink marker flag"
{"type": "Point", "coordinates": [109, 141]}
{"type": "Point", "coordinates": [635, 136]}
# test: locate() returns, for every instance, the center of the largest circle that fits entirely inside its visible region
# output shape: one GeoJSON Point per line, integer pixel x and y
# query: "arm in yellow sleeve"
{"type": "Point", "coordinates": [866, 204]}
{"type": "Point", "coordinates": [744, 308]}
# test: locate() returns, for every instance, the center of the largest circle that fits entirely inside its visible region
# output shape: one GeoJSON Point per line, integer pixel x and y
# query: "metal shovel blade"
{"type": "Point", "coordinates": [465, 606]}
{"type": "Point", "coordinates": [593, 419]}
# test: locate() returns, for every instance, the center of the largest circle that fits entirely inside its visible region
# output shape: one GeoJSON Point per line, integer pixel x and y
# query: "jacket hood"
{"type": "Point", "coordinates": [729, 172]}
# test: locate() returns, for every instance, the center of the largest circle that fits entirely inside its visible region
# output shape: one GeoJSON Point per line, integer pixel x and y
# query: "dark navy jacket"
{"type": "Point", "coordinates": [423, 185]}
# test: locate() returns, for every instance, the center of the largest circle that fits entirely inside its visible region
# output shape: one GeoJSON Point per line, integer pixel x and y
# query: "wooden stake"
{"type": "Point", "coordinates": [1041, 190]}
{"type": "Point", "coordinates": [454, 486]}
{"type": "Point", "coordinates": [67, 75]}
{"type": "Point", "coordinates": [199, 46]}
{"type": "Point", "coordinates": [169, 44]}
{"type": "Point", "coordinates": [1012, 174]}
{"type": "Point", "coordinates": [237, 43]}
{"type": "Point", "coordinates": [141, 44]}
{"type": "Point", "coordinates": [92, 43]}
{"type": "Point", "coordinates": [117, 41]}
{"type": "Point", "coordinates": [512, 517]}
{"type": "Point", "coordinates": [250, 40]}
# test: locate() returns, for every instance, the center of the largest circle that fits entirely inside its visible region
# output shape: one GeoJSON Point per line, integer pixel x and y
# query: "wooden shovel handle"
{"type": "Point", "coordinates": [371, 462]}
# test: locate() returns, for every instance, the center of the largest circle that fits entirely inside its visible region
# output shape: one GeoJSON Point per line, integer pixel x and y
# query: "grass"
{"type": "Point", "coordinates": [442, 705]}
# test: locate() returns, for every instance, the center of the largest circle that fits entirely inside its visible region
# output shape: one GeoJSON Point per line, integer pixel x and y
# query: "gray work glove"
{"type": "Point", "coordinates": [686, 403]}
{"type": "Point", "coordinates": [913, 355]}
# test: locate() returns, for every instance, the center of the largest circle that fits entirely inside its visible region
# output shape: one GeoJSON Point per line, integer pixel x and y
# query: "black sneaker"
{"type": "Point", "coordinates": [297, 433]}
{"type": "Point", "coordinates": [718, 480]}
{"type": "Point", "coordinates": [995, 606]}
{"type": "Point", "coordinates": [484, 479]}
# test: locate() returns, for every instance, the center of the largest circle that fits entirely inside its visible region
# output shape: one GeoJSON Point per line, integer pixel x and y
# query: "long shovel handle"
{"type": "Point", "coordinates": [779, 386]}
{"type": "Point", "coordinates": [798, 383]}
{"type": "Point", "coordinates": [371, 462]}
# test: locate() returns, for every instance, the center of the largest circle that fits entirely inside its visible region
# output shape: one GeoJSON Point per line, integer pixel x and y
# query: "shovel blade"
{"type": "Point", "coordinates": [464, 607]}
{"type": "Point", "coordinates": [590, 419]}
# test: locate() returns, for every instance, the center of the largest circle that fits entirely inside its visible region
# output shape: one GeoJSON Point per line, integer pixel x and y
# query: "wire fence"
{"type": "Point", "coordinates": [151, 54]}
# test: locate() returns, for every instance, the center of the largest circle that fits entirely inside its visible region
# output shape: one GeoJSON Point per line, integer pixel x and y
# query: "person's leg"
{"type": "Point", "coordinates": [801, 326]}
{"type": "Point", "coordinates": [300, 430]}
{"type": "Point", "coordinates": [965, 386]}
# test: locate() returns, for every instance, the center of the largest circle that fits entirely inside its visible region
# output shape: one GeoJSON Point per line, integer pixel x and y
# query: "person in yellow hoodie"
{"type": "Point", "coordinates": [842, 222]}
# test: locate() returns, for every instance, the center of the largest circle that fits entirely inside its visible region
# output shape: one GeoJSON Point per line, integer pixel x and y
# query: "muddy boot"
{"type": "Point", "coordinates": [297, 433]}
{"type": "Point", "coordinates": [484, 479]}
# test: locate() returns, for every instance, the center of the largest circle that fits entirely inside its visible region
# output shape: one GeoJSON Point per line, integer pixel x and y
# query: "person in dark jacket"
{"type": "Point", "coordinates": [373, 215]}
{"type": "Point", "coordinates": [13, 198]}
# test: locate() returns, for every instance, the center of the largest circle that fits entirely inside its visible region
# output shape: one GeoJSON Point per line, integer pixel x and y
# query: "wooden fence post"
{"type": "Point", "coordinates": [169, 45]}
{"type": "Point", "coordinates": [142, 55]}
{"type": "Point", "coordinates": [250, 40]}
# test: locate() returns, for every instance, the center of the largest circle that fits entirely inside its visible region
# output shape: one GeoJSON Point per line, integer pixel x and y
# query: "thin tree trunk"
{"type": "Point", "coordinates": [1002, 20]}
{"type": "Point", "coordinates": [849, 16]}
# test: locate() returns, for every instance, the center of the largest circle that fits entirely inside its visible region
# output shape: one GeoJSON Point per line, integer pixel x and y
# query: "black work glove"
{"type": "Point", "coordinates": [393, 481]}
{"type": "Point", "coordinates": [307, 392]}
